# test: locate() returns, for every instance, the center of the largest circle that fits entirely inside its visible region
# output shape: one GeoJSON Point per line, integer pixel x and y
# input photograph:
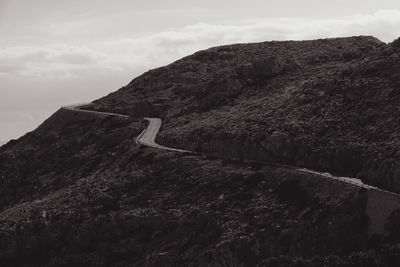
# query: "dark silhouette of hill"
{"type": "Point", "coordinates": [79, 191]}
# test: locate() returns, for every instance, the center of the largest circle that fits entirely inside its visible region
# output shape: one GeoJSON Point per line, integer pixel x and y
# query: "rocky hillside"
{"type": "Point", "coordinates": [79, 191]}
{"type": "Point", "coordinates": [151, 208]}
{"type": "Point", "coordinates": [327, 104]}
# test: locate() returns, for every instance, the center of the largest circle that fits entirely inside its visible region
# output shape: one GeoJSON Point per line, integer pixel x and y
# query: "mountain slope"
{"type": "Point", "coordinates": [79, 191]}
{"type": "Point", "coordinates": [327, 104]}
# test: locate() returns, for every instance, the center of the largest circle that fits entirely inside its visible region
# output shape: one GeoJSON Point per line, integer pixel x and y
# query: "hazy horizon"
{"type": "Point", "coordinates": [53, 53]}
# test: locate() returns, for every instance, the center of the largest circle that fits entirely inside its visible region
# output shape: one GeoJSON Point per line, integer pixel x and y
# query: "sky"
{"type": "Point", "coordinates": [54, 53]}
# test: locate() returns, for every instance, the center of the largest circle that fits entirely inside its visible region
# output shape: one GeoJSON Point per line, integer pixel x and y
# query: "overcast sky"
{"type": "Point", "coordinates": [57, 52]}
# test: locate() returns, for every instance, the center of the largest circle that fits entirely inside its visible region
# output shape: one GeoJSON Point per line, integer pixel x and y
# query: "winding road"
{"type": "Point", "coordinates": [148, 137]}
{"type": "Point", "coordinates": [380, 203]}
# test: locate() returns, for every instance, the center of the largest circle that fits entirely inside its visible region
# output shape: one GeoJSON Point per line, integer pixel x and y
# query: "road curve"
{"type": "Point", "coordinates": [148, 136]}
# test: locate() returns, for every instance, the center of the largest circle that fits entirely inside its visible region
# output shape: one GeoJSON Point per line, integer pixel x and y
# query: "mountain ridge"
{"type": "Point", "coordinates": [79, 190]}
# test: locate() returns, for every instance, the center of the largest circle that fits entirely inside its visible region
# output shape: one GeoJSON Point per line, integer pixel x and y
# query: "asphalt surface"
{"type": "Point", "coordinates": [148, 136]}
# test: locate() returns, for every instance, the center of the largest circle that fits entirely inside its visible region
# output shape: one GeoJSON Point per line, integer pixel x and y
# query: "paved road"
{"type": "Point", "coordinates": [148, 136]}
{"type": "Point", "coordinates": [78, 107]}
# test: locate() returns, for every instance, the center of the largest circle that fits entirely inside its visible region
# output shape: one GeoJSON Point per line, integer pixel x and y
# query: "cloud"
{"type": "Point", "coordinates": [384, 24]}
{"type": "Point", "coordinates": [41, 75]}
{"type": "Point", "coordinates": [52, 62]}
{"type": "Point", "coordinates": [125, 54]}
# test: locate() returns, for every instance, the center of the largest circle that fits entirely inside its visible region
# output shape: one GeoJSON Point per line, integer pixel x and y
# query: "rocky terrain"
{"type": "Point", "coordinates": [79, 191]}
{"type": "Point", "coordinates": [327, 104]}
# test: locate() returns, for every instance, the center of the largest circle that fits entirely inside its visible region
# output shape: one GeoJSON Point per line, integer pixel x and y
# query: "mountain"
{"type": "Point", "coordinates": [80, 191]}
{"type": "Point", "coordinates": [329, 104]}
